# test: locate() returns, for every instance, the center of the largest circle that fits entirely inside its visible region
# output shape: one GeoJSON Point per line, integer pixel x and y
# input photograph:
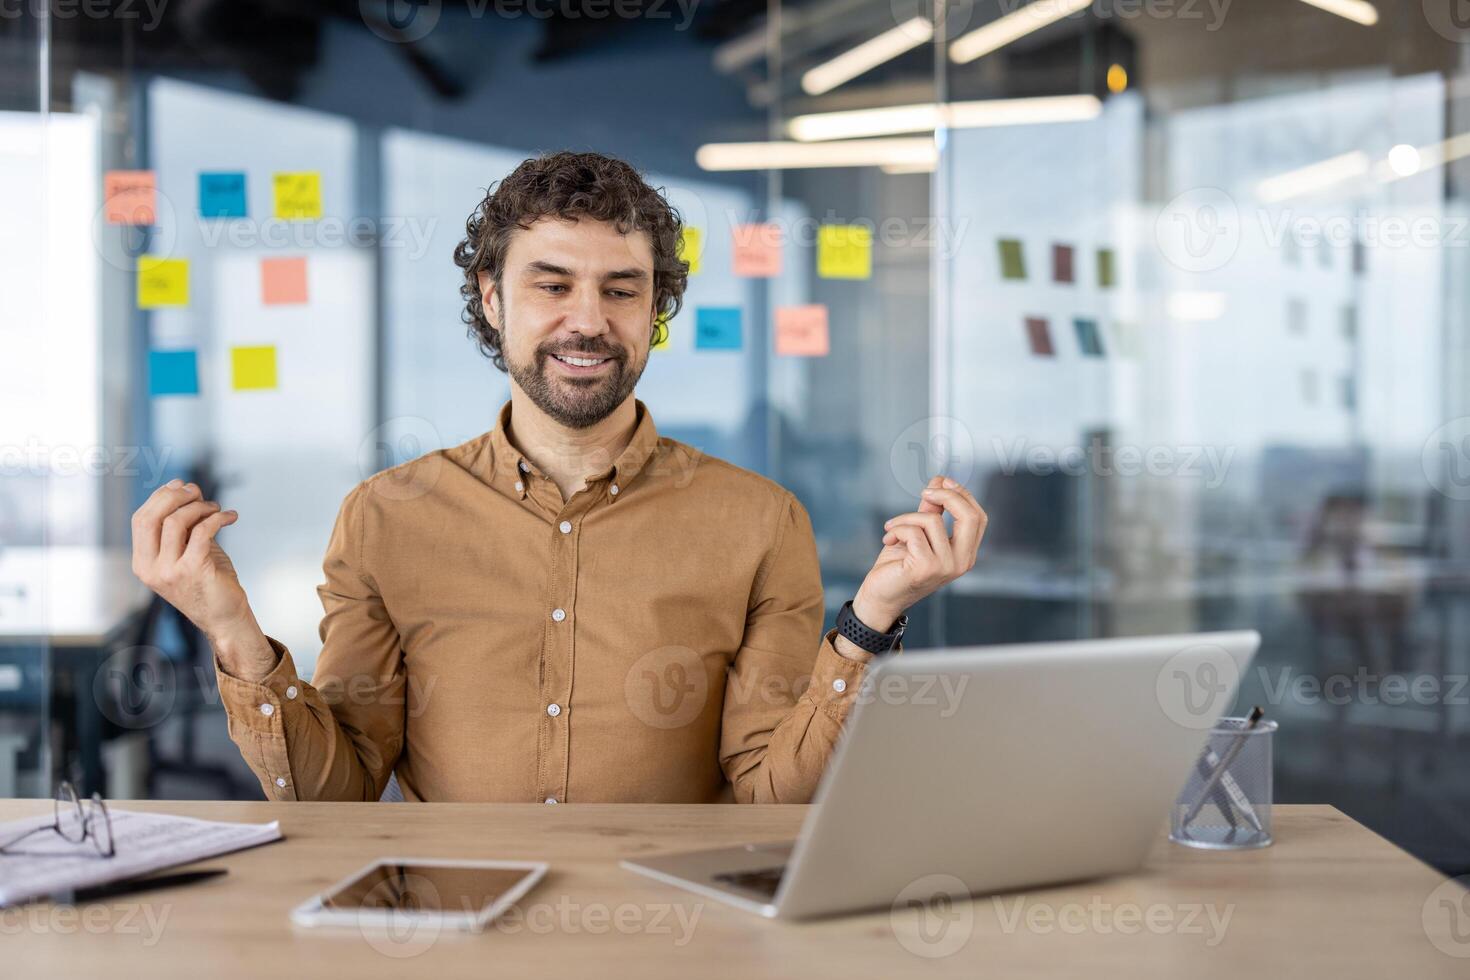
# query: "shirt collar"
{"type": "Point", "coordinates": [515, 469]}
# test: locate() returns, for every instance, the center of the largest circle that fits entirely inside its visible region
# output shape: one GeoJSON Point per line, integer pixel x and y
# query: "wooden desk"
{"type": "Point", "coordinates": [1329, 899]}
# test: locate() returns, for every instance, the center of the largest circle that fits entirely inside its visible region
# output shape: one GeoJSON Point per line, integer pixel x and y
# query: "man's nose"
{"type": "Point", "coordinates": [588, 317]}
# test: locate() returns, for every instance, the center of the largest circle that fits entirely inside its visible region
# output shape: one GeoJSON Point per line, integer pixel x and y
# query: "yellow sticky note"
{"type": "Point", "coordinates": [801, 331]}
{"type": "Point", "coordinates": [691, 247]}
{"type": "Point", "coordinates": [661, 323]}
{"type": "Point", "coordinates": [845, 252]}
{"type": "Point", "coordinates": [162, 282]}
{"type": "Point", "coordinates": [298, 195]}
{"type": "Point", "coordinates": [253, 368]}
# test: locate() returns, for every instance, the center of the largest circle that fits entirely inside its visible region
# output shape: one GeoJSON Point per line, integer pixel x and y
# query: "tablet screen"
{"type": "Point", "coordinates": [424, 888]}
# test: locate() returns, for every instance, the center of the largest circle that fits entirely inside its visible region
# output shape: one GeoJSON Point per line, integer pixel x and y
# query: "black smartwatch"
{"type": "Point", "coordinates": [865, 637]}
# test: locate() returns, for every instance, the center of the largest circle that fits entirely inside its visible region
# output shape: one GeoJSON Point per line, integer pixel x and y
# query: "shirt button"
{"type": "Point", "coordinates": [281, 782]}
{"type": "Point", "coordinates": [524, 468]}
{"type": "Point", "coordinates": [291, 693]}
{"type": "Point", "coordinates": [839, 685]}
{"type": "Point", "coordinates": [553, 710]}
{"type": "Point", "coordinates": [613, 489]}
{"type": "Point", "coordinates": [556, 614]}
{"type": "Point", "coordinates": [551, 799]}
{"type": "Point", "coordinates": [520, 487]}
{"type": "Point", "coordinates": [566, 527]}
{"type": "Point", "coordinates": [267, 709]}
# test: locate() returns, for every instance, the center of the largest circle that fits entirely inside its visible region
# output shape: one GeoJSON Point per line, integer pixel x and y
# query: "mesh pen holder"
{"type": "Point", "coordinates": [1232, 811]}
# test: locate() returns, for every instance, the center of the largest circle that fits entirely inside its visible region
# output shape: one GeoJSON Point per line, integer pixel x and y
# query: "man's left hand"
{"type": "Point", "coordinates": [918, 555]}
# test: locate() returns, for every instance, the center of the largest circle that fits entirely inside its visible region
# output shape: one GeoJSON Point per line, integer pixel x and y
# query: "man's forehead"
{"type": "Point", "coordinates": [584, 245]}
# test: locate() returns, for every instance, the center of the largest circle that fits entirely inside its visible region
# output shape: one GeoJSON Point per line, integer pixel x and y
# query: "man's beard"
{"type": "Point", "coordinates": [576, 402]}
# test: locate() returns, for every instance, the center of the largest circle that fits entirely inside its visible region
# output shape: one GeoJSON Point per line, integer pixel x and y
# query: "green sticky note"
{"type": "Point", "coordinates": [1107, 274]}
{"type": "Point", "coordinates": [1012, 259]}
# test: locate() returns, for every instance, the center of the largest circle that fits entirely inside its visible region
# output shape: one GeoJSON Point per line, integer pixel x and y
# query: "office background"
{"type": "Point", "coordinates": [1191, 320]}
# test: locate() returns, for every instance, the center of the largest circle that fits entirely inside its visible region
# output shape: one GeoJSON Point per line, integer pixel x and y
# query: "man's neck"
{"type": "Point", "coordinates": [565, 454]}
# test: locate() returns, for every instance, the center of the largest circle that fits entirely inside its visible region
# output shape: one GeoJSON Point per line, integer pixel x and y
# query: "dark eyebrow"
{"type": "Point", "coordinates": [547, 268]}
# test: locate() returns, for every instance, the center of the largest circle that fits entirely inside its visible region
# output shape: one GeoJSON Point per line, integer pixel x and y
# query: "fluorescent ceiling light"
{"type": "Point", "coordinates": [909, 168]}
{"type": "Point", "coordinates": [779, 155]}
{"type": "Point", "coordinates": [1014, 25]}
{"type": "Point", "coordinates": [928, 116]}
{"type": "Point", "coordinates": [868, 55]}
{"type": "Point", "coordinates": [1358, 11]}
{"type": "Point", "coordinates": [1314, 177]}
{"type": "Point", "coordinates": [1424, 158]}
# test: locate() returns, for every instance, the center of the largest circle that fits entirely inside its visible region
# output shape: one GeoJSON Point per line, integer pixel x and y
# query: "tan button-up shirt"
{"type": "Point", "coordinates": [655, 638]}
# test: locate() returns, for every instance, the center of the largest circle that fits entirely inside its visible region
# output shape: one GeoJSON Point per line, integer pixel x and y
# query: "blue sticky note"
{"type": "Point", "coordinates": [717, 328]}
{"type": "Point", "coordinates": [222, 195]}
{"type": "Point", "coordinates": [173, 372]}
{"type": "Point", "coordinates": [1088, 337]}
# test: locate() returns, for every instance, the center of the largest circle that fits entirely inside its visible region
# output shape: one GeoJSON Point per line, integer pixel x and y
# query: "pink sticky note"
{"type": "Point", "coordinates": [128, 197]}
{"type": "Point", "coordinates": [802, 330]}
{"type": "Point", "coordinates": [757, 251]}
{"type": "Point", "coordinates": [282, 281]}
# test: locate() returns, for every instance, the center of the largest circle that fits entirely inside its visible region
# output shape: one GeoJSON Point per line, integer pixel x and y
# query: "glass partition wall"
{"type": "Point", "coordinates": [1208, 341]}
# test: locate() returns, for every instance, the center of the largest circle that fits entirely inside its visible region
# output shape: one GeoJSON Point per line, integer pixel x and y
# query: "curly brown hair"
{"type": "Point", "coordinates": [571, 186]}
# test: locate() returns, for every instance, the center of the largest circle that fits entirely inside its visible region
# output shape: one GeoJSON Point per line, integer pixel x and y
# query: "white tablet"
{"type": "Point", "coordinates": [396, 892]}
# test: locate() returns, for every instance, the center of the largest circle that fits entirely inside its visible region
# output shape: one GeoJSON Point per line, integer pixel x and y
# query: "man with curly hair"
{"type": "Point", "coordinates": [569, 607]}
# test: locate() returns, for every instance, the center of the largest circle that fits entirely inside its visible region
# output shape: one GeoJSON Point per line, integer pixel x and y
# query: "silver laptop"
{"type": "Point", "coordinates": [1003, 767]}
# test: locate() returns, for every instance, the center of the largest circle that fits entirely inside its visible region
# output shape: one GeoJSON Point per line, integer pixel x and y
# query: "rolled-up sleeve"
{"type": "Point", "coordinates": [789, 690]}
{"type": "Point", "coordinates": [340, 737]}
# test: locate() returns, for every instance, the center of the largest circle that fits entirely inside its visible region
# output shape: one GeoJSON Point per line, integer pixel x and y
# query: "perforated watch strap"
{"type": "Point", "coordinates": [868, 639]}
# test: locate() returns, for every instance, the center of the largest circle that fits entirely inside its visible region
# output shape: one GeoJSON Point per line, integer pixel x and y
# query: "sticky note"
{"type": "Point", "coordinates": [691, 247]}
{"type": "Point", "coordinates": [129, 197]}
{"type": "Point", "coordinates": [661, 332]}
{"type": "Point", "coordinates": [173, 372]}
{"type": "Point", "coordinates": [1061, 263]}
{"type": "Point", "coordinates": [252, 368]}
{"type": "Point", "coordinates": [1107, 272]}
{"type": "Point", "coordinates": [162, 282]}
{"type": "Point", "coordinates": [222, 195]}
{"type": "Point", "coordinates": [802, 330]}
{"type": "Point", "coordinates": [717, 328]}
{"type": "Point", "coordinates": [298, 195]}
{"type": "Point", "coordinates": [757, 250]}
{"type": "Point", "coordinates": [1012, 259]}
{"type": "Point", "coordinates": [283, 281]}
{"type": "Point", "coordinates": [1038, 335]}
{"type": "Point", "coordinates": [844, 252]}
{"type": "Point", "coordinates": [1088, 337]}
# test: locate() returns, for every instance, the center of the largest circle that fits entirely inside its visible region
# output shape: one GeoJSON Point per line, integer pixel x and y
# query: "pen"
{"type": "Point", "coordinates": [132, 886]}
{"type": "Point", "coordinates": [1219, 773]}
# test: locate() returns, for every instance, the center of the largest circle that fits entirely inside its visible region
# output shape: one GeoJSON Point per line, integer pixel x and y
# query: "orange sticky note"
{"type": "Point", "coordinates": [252, 368]}
{"type": "Point", "coordinates": [283, 281]}
{"type": "Point", "coordinates": [801, 331]}
{"type": "Point", "coordinates": [129, 197]}
{"type": "Point", "coordinates": [757, 251]}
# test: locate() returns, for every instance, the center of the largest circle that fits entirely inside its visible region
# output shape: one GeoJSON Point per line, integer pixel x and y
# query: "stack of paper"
{"type": "Point", "coordinates": [45, 864]}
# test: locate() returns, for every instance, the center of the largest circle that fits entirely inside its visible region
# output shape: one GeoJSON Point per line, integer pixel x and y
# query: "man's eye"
{"type": "Point", "coordinates": [554, 287]}
{"type": "Point", "coordinates": [622, 293]}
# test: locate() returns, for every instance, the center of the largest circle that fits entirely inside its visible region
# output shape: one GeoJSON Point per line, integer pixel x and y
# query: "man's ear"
{"type": "Point", "coordinates": [489, 301]}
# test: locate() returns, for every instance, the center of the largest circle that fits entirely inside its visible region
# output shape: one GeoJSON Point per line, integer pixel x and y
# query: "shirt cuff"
{"type": "Point", "coordinates": [258, 706]}
{"type": "Point", "coordinates": [835, 678]}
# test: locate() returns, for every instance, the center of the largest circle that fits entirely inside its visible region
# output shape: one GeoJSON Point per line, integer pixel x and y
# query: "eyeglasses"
{"type": "Point", "coordinates": [76, 822]}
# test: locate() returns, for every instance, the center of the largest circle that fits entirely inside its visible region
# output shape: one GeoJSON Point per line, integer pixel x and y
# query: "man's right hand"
{"type": "Point", "coordinates": [176, 555]}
